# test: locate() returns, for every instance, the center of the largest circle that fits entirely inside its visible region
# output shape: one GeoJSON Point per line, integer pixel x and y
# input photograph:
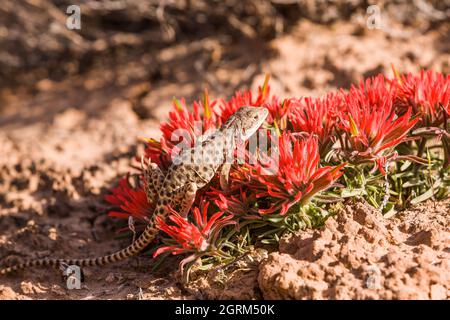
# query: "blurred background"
{"type": "Point", "coordinates": [75, 94]}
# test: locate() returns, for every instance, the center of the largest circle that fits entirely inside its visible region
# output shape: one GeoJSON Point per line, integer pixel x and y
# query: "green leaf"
{"type": "Point", "coordinates": [347, 193]}
{"type": "Point", "coordinates": [390, 211]}
{"type": "Point", "coordinates": [404, 174]}
{"type": "Point", "coordinates": [428, 194]}
{"type": "Point", "coordinates": [274, 219]}
{"type": "Point", "coordinates": [405, 165]}
{"type": "Point", "coordinates": [413, 183]}
{"type": "Point", "coordinates": [328, 198]}
{"type": "Point", "coordinates": [269, 241]}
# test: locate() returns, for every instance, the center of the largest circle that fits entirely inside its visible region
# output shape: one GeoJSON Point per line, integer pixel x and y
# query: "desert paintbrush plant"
{"type": "Point", "coordinates": [386, 141]}
{"type": "Point", "coordinates": [199, 238]}
{"type": "Point", "coordinates": [317, 116]}
{"type": "Point", "coordinates": [371, 127]}
{"type": "Point", "coordinates": [281, 189]}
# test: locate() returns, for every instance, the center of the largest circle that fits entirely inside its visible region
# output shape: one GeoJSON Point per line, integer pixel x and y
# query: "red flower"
{"type": "Point", "coordinates": [279, 111]}
{"type": "Point", "coordinates": [132, 202]}
{"type": "Point", "coordinates": [193, 237]}
{"type": "Point", "coordinates": [182, 130]}
{"type": "Point", "coordinates": [317, 116]}
{"type": "Point", "coordinates": [241, 204]}
{"type": "Point", "coordinates": [185, 127]}
{"type": "Point", "coordinates": [246, 98]}
{"type": "Point", "coordinates": [296, 175]}
{"type": "Point", "coordinates": [428, 94]}
{"type": "Point", "coordinates": [369, 122]}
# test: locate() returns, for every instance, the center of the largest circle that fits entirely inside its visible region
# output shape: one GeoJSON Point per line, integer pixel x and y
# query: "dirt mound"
{"type": "Point", "coordinates": [362, 255]}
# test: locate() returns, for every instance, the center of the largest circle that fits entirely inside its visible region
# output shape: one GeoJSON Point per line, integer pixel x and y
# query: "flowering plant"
{"type": "Point", "coordinates": [198, 236]}
{"type": "Point", "coordinates": [371, 127]}
{"type": "Point", "coordinates": [386, 140]}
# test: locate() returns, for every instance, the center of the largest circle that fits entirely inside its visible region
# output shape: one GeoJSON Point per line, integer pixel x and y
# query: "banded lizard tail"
{"type": "Point", "coordinates": [191, 170]}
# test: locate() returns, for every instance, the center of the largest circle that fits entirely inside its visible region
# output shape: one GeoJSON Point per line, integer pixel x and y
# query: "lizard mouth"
{"type": "Point", "coordinates": [246, 134]}
{"type": "Point", "coordinates": [259, 118]}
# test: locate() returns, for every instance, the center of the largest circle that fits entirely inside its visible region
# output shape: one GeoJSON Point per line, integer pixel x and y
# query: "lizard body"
{"type": "Point", "coordinates": [191, 170]}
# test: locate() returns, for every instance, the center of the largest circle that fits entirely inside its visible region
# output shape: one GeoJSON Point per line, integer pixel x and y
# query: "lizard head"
{"type": "Point", "coordinates": [246, 121]}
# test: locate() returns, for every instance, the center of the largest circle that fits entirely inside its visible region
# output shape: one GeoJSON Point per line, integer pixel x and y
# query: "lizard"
{"type": "Point", "coordinates": [191, 170]}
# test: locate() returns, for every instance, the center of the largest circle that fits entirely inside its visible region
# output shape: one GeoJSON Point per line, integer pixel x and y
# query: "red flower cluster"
{"type": "Point", "coordinates": [193, 237]}
{"type": "Point", "coordinates": [318, 117]}
{"type": "Point", "coordinates": [182, 130]}
{"type": "Point", "coordinates": [185, 127]}
{"type": "Point", "coordinates": [428, 94]}
{"type": "Point", "coordinates": [226, 108]}
{"type": "Point", "coordinates": [292, 178]}
{"type": "Point", "coordinates": [241, 203]}
{"type": "Point", "coordinates": [363, 125]}
{"type": "Point", "coordinates": [130, 201]}
{"type": "Point", "coordinates": [369, 122]}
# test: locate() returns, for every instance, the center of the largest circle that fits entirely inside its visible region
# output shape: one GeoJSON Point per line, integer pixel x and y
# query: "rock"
{"type": "Point", "coordinates": [353, 257]}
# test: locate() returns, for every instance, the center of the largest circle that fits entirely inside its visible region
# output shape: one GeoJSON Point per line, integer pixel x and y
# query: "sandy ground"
{"type": "Point", "coordinates": [63, 145]}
